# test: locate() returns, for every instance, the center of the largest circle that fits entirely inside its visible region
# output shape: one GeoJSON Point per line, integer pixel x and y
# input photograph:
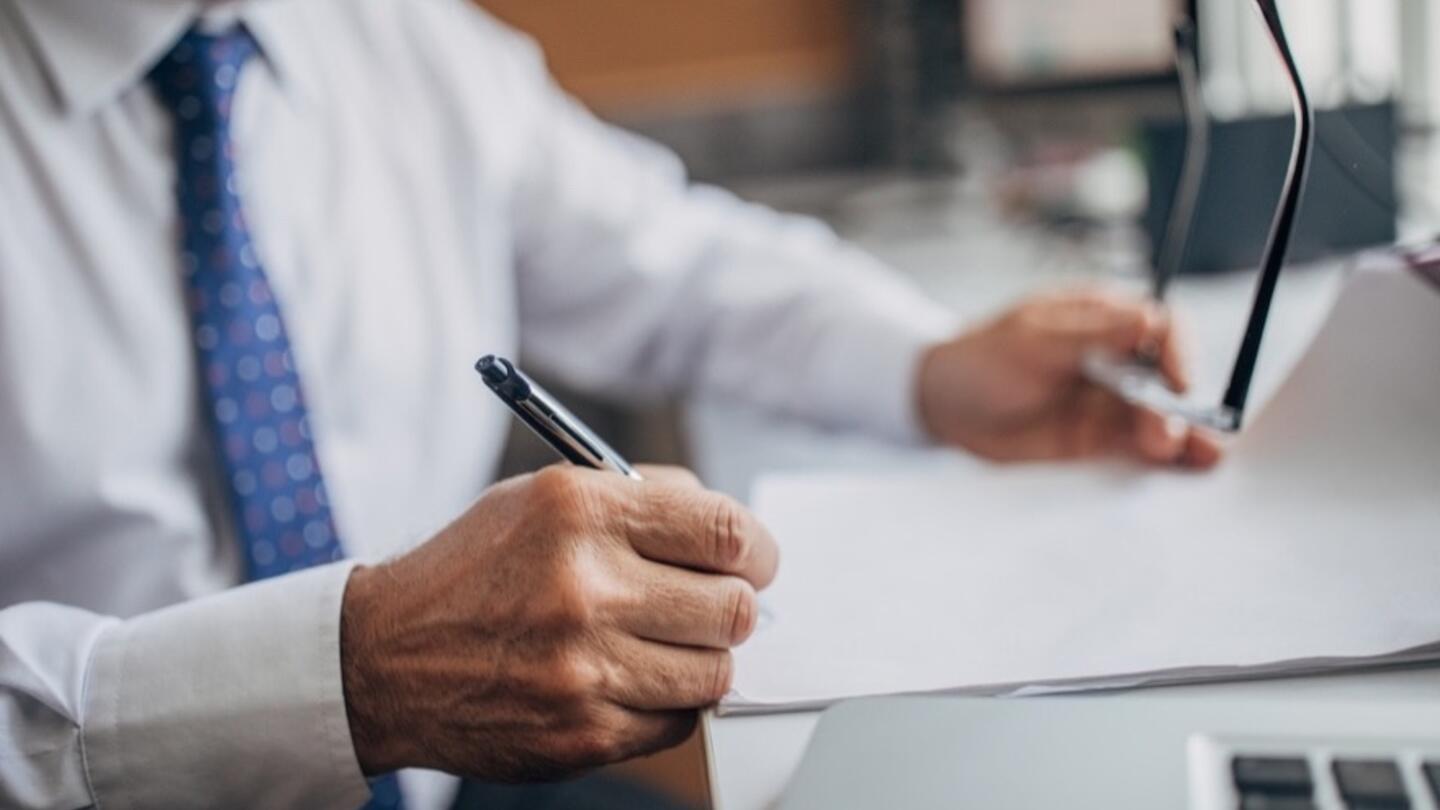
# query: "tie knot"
{"type": "Point", "coordinates": [199, 75]}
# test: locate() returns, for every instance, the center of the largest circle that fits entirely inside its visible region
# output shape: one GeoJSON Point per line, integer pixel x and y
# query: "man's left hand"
{"type": "Point", "coordinates": [1012, 389]}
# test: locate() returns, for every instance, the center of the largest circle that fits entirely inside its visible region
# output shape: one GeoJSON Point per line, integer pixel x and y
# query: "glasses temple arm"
{"type": "Point", "coordinates": [1276, 247]}
{"type": "Point", "coordinates": [1192, 173]}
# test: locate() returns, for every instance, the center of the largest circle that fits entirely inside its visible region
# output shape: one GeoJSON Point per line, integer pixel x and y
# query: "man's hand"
{"type": "Point", "coordinates": [1012, 389]}
{"type": "Point", "coordinates": [569, 619]}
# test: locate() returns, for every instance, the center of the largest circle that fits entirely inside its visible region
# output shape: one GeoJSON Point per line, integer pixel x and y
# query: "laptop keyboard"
{"type": "Point", "coordinates": [1373, 783]}
{"type": "Point", "coordinates": [1262, 772]}
{"type": "Point", "coordinates": [1293, 783]}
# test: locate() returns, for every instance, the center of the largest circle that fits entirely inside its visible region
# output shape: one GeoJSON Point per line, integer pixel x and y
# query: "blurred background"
{"type": "Point", "coordinates": [986, 147]}
{"type": "Point", "coordinates": [747, 88]}
{"type": "Point", "coordinates": [993, 145]}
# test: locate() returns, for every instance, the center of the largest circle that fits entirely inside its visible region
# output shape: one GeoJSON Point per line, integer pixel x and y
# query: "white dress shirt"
{"type": "Point", "coordinates": [421, 194]}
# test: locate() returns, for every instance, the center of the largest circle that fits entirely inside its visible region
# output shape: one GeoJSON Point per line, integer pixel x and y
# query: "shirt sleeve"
{"type": "Point", "coordinates": [633, 281]}
{"type": "Point", "coordinates": [233, 700]}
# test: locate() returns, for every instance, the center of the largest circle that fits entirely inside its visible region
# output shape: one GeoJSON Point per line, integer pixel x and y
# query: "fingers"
{"type": "Point", "coordinates": [1170, 354]}
{"type": "Point", "coordinates": [659, 677]}
{"type": "Point", "coordinates": [1160, 438]}
{"type": "Point", "coordinates": [1170, 440]}
{"type": "Point", "coordinates": [1121, 325]}
{"type": "Point", "coordinates": [1202, 451]}
{"type": "Point", "coordinates": [1075, 324]}
{"type": "Point", "coordinates": [1082, 321]}
{"type": "Point", "coordinates": [1102, 424]}
{"type": "Point", "coordinates": [675, 606]}
{"type": "Point", "coordinates": [1098, 424]}
{"type": "Point", "coordinates": [703, 530]}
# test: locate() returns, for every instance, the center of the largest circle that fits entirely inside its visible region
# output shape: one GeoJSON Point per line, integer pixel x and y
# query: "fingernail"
{"type": "Point", "coordinates": [1175, 428]}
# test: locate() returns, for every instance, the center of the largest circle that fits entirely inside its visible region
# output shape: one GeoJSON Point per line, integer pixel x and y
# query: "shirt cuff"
{"type": "Point", "coordinates": [234, 700]}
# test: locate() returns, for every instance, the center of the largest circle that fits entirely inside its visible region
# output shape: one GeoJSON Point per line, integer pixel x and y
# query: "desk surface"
{"type": "Point", "coordinates": [755, 756]}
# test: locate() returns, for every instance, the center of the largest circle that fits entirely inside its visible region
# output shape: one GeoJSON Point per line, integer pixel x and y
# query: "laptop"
{"type": "Point", "coordinates": [1140, 751]}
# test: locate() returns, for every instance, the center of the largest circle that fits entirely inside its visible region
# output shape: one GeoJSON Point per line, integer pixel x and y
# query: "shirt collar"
{"type": "Point", "coordinates": [94, 50]}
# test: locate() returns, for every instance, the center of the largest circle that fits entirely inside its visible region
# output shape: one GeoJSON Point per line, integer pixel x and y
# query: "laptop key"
{"type": "Point", "coordinates": [1268, 801]}
{"type": "Point", "coordinates": [1273, 776]}
{"type": "Point", "coordinates": [1371, 784]}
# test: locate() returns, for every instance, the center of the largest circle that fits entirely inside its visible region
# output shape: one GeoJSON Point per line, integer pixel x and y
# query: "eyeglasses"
{"type": "Point", "coordinates": [1139, 382]}
{"type": "Point", "coordinates": [1192, 172]}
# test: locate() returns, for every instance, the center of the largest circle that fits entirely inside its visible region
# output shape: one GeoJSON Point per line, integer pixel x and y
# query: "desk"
{"type": "Point", "coordinates": [755, 756]}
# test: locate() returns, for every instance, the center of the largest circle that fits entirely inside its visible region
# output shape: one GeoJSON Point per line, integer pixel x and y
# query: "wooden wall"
{"type": "Point", "coordinates": [625, 55]}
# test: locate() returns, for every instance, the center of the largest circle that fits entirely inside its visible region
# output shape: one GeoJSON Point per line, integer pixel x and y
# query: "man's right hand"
{"type": "Point", "coordinates": [569, 619]}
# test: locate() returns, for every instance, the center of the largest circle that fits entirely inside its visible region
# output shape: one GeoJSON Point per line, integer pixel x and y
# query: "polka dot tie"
{"type": "Point", "coordinates": [247, 371]}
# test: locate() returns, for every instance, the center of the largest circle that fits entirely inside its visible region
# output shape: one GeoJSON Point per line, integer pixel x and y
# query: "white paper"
{"type": "Point", "coordinates": [1316, 545]}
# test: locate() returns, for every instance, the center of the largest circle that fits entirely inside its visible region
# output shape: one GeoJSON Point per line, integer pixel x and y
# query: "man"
{"type": "Point", "coordinates": [247, 256]}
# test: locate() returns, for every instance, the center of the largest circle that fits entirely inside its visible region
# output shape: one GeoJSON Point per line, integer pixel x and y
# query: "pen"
{"type": "Point", "coordinates": [550, 420]}
{"type": "Point", "coordinates": [569, 437]}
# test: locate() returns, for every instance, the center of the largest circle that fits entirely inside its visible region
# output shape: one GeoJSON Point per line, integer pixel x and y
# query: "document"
{"type": "Point", "coordinates": [1316, 545]}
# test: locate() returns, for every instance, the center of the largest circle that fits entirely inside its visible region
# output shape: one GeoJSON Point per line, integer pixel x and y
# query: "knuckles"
{"type": "Point", "coordinates": [574, 680]}
{"type": "Point", "coordinates": [568, 599]}
{"type": "Point", "coordinates": [574, 505]}
{"type": "Point", "coordinates": [563, 519]}
{"type": "Point", "coordinates": [558, 495]}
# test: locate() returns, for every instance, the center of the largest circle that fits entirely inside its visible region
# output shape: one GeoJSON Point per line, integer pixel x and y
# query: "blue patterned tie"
{"type": "Point", "coordinates": [247, 371]}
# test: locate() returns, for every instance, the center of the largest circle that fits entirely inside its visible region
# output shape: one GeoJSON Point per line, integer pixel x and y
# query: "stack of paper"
{"type": "Point", "coordinates": [1316, 545]}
